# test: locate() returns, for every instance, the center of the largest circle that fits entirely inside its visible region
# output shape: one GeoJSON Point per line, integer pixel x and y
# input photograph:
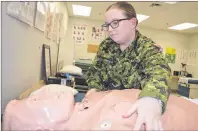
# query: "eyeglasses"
{"type": "Point", "coordinates": [114, 24]}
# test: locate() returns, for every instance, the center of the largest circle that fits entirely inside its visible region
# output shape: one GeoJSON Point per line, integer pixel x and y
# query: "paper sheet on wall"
{"type": "Point", "coordinates": [23, 11]}
{"type": "Point", "coordinates": [92, 48]}
{"type": "Point", "coordinates": [192, 57]}
{"type": "Point", "coordinates": [184, 56]}
{"type": "Point", "coordinates": [170, 55]}
{"type": "Point", "coordinates": [97, 34]}
{"type": "Point", "coordinates": [79, 33]}
{"type": "Point", "coordinates": [187, 57]}
{"type": "Point", "coordinates": [40, 15]}
{"type": "Point", "coordinates": [54, 28]}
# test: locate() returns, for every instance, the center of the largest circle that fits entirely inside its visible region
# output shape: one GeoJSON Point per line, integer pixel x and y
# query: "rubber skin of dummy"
{"type": "Point", "coordinates": [97, 111]}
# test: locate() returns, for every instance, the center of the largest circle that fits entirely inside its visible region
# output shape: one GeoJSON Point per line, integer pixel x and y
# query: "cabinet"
{"type": "Point", "coordinates": [188, 90]}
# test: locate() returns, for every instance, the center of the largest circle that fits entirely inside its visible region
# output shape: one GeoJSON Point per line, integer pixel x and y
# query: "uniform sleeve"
{"type": "Point", "coordinates": [156, 73]}
{"type": "Point", "coordinates": [94, 74]}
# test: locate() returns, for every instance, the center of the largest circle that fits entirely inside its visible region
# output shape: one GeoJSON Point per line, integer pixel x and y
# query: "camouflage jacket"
{"type": "Point", "coordinates": [142, 65]}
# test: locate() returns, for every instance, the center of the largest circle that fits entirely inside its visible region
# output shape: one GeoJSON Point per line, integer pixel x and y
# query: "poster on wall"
{"type": "Point", "coordinates": [79, 33]}
{"type": "Point", "coordinates": [170, 55]}
{"type": "Point", "coordinates": [188, 57]}
{"type": "Point", "coordinates": [92, 48]}
{"type": "Point", "coordinates": [23, 11]}
{"type": "Point", "coordinates": [192, 58]}
{"type": "Point", "coordinates": [40, 15]}
{"type": "Point", "coordinates": [97, 34]}
{"type": "Point", "coordinates": [183, 55]}
{"type": "Point", "coordinates": [55, 26]}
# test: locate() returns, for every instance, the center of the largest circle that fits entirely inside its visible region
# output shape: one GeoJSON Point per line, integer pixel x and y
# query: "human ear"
{"type": "Point", "coordinates": [133, 22]}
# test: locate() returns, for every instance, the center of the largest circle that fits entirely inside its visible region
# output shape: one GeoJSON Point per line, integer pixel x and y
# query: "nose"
{"type": "Point", "coordinates": [110, 28]}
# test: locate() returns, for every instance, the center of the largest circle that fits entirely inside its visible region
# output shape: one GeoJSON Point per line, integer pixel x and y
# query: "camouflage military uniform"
{"type": "Point", "coordinates": [141, 66]}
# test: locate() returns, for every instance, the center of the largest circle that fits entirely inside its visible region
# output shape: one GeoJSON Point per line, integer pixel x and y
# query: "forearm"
{"type": "Point", "coordinates": [156, 90]}
{"type": "Point", "coordinates": [97, 76]}
{"type": "Point", "coordinates": [156, 72]}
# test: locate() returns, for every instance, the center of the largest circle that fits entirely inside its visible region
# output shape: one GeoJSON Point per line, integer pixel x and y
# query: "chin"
{"type": "Point", "coordinates": [115, 39]}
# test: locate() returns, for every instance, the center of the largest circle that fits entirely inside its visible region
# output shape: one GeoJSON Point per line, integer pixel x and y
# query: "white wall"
{"type": "Point", "coordinates": [68, 53]}
{"type": "Point", "coordinates": [168, 39]}
{"type": "Point", "coordinates": [193, 46]}
{"type": "Point", "coordinates": [63, 42]}
{"type": "Point", "coordinates": [164, 38]}
{"type": "Point", "coordinates": [21, 56]}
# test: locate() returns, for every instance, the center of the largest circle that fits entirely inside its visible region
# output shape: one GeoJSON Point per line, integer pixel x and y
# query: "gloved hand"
{"type": "Point", "coordinates": [149, 111]}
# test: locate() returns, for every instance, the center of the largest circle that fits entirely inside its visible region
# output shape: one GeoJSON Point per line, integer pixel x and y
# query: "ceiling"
{"type": "Point", "coordinates": [161, 17]}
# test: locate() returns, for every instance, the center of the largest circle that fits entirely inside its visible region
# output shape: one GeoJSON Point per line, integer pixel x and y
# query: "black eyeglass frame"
{"type": "Point", "coordinates": [118, 20]}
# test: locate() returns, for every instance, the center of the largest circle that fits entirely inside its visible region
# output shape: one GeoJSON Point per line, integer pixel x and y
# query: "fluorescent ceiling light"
{"type": "Point", "coordinates": [141, 17]}
{"type": "Point", "coordinates": [81, 10]}
{"type": "Point", "coordinates": [183, 26]}
{"type": "Point", "coordinates": [170, 2]}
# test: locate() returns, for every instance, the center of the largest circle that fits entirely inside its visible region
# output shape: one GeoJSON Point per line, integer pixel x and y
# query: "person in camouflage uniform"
{"type": "Point", "coordinates": [141, 65]}
{"type": "Point", "coordinates": [128, 59]}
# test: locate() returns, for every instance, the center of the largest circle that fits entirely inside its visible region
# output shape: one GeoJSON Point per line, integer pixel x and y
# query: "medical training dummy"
{"type": "Point", "coordinates": [55, 109]}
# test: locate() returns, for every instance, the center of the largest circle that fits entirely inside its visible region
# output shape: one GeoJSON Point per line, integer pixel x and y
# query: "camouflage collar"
{"type": "Point", "coordinates": [134, 42]}
{"type": "Point", "coordinates": [132, 45]}
{"type": "Point", "coordinates": [138, 35]}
